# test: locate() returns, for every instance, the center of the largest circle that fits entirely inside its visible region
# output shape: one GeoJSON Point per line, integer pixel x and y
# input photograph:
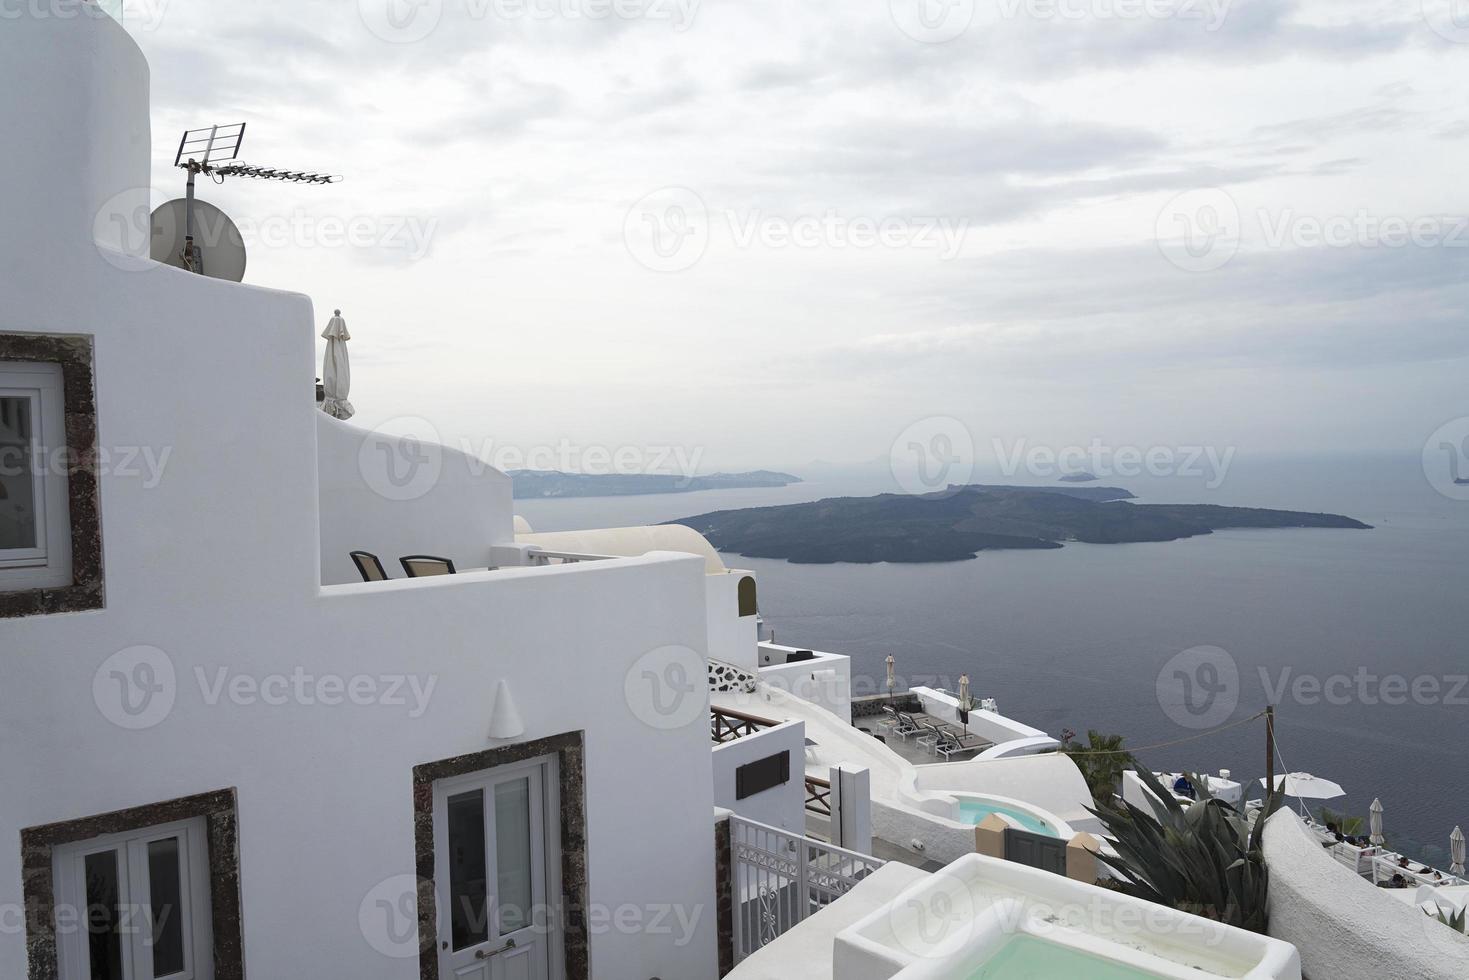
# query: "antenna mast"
{"type": "Point", "coordinates": [199, 152]}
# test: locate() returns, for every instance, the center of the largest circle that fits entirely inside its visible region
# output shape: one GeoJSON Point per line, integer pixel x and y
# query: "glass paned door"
{"type": "Point", "coordinates": [493, 870]}
{"type": "Point", "coordinates": [22, 520]}
{"type": "Point", "coordinates": [514, 856]}
{"type": "Point", "coordinates": [142, 904]}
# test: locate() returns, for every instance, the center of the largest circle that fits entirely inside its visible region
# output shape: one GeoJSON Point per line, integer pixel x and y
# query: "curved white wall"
{"type": "Point", "coordinates": [1344, 927]}
{"type": "Point", "coordinates": [75, 119]}
{"type": "Point", "coordinates": [373, 499]}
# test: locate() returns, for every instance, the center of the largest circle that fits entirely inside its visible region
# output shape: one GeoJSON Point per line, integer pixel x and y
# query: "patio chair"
{"type": "Point", "coordinates": [426, 566]}
{"type": "Point", "coordinates": [369, 566]}
{"type": "Point", "coordinates": [931, 737]}
{"type": "Point", "coordinates": [951, 745]}
{"type": "Point", "coordinates": [907, 725]}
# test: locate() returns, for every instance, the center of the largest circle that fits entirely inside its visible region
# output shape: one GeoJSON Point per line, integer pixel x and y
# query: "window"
{"type": "Point", "coordinates": [35, 526]}
{"type": "Point", "coordinates": [135, 906]}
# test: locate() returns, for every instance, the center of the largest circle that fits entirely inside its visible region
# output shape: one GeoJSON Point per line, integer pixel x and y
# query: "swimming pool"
{"type": "Point", "coordinates": [973, 810]}
{"type": "Point", "coordinates": [1029, 958]}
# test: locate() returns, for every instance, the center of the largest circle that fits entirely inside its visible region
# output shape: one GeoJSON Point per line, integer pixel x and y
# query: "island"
{"type": "Point", "coordinates": [958, 524]}
{"type": "Point", "coordinates": [1082, 477]}
{"type": "Point", "coordinates": [529, 484]}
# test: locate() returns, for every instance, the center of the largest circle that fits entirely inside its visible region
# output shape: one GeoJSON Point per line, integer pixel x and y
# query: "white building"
{"type": "Point", "coordinates": [225, 754]}
{"type": "Point", "coordinates": [203, 708]}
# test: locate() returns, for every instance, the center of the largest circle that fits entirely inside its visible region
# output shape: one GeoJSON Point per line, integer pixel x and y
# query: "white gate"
{"type": "Point", "coordinates": [779, 878]}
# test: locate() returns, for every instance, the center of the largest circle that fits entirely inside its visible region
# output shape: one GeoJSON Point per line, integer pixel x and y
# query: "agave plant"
{"type": "Point", "coordinates": [1202, 857]}
{"type": "Point", "coordinates": [1454, 920]}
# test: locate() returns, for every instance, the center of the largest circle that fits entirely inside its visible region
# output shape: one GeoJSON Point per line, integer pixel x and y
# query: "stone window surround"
{"type": "Point", "coordinates": [222, 829]}
{"type": "Point", "coordinates": [73, 353]}
{"type": "Point", "coordinates": [570, 751]}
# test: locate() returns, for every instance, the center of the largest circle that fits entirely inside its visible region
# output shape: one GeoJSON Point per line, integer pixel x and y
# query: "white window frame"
{"type": "Point", "coordinates": [49, 564]}
{"type": "Point", "coordinates": [68, 869]}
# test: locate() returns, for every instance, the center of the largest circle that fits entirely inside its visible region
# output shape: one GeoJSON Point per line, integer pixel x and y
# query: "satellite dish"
{"type": "Point", "coordinates": [217, 239]}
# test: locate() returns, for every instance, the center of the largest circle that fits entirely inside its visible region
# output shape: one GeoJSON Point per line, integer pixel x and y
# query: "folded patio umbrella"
{"type": "Point", "coordinates": [336, 370]}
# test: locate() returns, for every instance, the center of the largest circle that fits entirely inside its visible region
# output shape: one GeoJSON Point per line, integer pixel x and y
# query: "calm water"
{"type": "Point", "coordinates": [1027, 958]}
{"type": "Point", "coordinates": [1076, 638]}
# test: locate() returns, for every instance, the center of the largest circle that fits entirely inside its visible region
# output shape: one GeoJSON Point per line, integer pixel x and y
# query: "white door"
{"type": "Point", "coordinates": [135, 906]}
{"type": "Point", "coordinates": [493, 874]}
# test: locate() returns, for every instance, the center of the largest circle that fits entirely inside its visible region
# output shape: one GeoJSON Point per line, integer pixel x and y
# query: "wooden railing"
{"type": "Point", "coordinates": [726, 724]}
{"type": "Point", "coordinates": [818, 796]}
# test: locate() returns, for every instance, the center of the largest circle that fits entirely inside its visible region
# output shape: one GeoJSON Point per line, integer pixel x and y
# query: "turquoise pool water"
{"type": "Point", "coordinates": [1028, 958]}
{"type": "Point", "coordinates": [974, 812]}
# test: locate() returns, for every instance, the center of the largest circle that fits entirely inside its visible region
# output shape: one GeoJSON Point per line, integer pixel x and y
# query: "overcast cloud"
{"type": "Point", "coordinates": [784, 230]}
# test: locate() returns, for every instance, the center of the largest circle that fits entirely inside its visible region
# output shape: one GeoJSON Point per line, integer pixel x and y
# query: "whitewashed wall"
{"type": "Point", "coordinates": [732, 638]}
{"type": "Point", "coordinates": [218, 568]}
{"type": "Point", "coordinates": [825, 680]}
{"type": "Point", "coordinates": [1345, 927]}
{"type": "Point", "coordinates": [783, 806]}
{"type": "Point", "coordinates": [370, 496]}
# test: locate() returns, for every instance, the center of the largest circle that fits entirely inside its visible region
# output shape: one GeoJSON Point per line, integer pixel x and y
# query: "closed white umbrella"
{"type": "Point", "coordinates": [1456, 846]}
{"type": "Point", "coordinates": [1304, 786]}
{"type": "Point", "coordinates": [1374, 824]}
{"type": "Point", "coordinates": [336, 370]}
{"type": "Point", "coordinates": [964, 692]}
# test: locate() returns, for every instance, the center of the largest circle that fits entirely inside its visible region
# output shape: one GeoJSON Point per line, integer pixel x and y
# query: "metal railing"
{"type": "Point", "coordinates": [727, 725]}
{"type": "Point", "coordinates": [541, 559]}
{"type": "Point", "coordinates": [780, 878]}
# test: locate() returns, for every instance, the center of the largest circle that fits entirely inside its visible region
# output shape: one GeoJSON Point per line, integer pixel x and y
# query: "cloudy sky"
{"type": "Point", "coordinates": [786, 230]}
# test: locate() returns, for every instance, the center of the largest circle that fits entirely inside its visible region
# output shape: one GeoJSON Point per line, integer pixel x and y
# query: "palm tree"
{"type": "Point", "coordinates": [1345, 825]}
{"type": "Point", "coordinates": [1102, 762]}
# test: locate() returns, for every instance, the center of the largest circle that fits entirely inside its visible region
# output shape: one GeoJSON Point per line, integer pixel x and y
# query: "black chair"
{"type": "Point", "coordinates": [426, 566]}
{"type": "Point", "coordinates": [369, 567]}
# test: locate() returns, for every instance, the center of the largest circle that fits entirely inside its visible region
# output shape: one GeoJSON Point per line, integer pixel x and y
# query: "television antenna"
{"type": "Point", "coordinates": [215, 152]}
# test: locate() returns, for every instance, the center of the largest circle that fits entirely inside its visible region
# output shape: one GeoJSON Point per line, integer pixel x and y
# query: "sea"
{"type": "Point", "coordinates": [1360, 638]}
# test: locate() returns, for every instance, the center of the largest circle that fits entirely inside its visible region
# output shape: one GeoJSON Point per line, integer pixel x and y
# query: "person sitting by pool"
{"type": "Point", "coordinates": [1398, 881]}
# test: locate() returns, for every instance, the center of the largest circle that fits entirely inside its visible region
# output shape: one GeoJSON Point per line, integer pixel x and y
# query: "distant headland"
{"type": "Point", "coordinates": [530, 484]}
{"type": "Point", "coordinates": [957, 524]}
